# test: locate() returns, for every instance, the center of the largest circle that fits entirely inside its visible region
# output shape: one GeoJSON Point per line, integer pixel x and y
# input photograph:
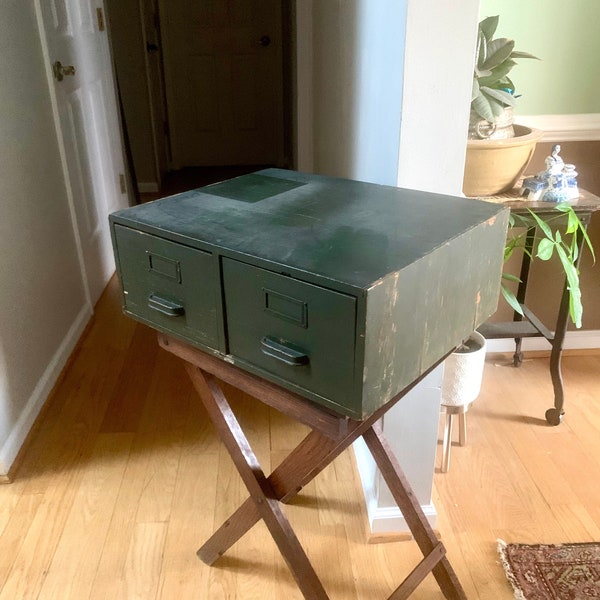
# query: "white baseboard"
{"type": "Point", "coordinates": [21, 428]}
{"type": "Point", "coordinates": [147, 187]}
{"type": "Point", "coordinates": [382, 519]}
{"type": "Point", "coordinates": [389, 519]}
{"type": "Point", "coordinates": [574, 340]}
{"type": "Point", "coordinates": [564, 128]}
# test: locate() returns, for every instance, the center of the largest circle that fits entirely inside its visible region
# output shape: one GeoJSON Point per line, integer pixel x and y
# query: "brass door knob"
{"type": "Point", "coordinates": [61, 71]}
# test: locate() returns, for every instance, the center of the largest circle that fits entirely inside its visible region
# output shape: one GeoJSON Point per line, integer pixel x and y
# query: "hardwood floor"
{"type": "Point", "coordinates": [123, 478]}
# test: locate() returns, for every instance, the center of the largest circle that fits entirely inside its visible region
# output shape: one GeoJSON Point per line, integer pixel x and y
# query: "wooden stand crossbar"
{"type": "Point", "coordinates": [330, 435]}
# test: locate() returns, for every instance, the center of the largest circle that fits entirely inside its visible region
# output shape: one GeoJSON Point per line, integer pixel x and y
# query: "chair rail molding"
{"type": "Point", "coordinates": [565, 128]}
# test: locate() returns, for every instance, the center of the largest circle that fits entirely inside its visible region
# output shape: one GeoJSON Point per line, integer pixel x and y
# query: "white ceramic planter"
{"type": "Point", "coordinates": [461, 384]}
{"type": "Point", "coordinates": [463, 372]}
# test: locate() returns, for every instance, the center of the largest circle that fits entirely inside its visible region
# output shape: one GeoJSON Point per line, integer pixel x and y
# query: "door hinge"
{"type": "Point", "coordinates": [123, 183]}
{"type": "Point", "coordinates": [100, 17]}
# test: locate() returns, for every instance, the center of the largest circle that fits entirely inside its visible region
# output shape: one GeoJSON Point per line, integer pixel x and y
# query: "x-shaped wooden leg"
{"type": "Point", "coordinates": [261, 492]}
{"type": "Point", "coordinates": [309, 458]}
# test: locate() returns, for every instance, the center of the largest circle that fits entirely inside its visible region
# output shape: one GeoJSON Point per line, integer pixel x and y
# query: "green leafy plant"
{"type": "Point", "coordinates": [493, 90]}
{"type": "Point", "coordinates": [551, 243]}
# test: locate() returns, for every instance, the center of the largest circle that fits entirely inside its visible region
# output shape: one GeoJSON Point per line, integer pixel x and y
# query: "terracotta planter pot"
{"type": "Point", "coordinates": [494, 166]}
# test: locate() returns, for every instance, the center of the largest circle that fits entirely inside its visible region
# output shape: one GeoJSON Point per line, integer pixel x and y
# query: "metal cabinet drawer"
{"type": "Point", "coordinates": [169, 286]}
{"type": "Point", "coordinates": [298, 332]}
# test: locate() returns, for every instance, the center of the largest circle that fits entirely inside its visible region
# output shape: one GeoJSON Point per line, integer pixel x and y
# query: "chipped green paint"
{"type": "Point", "coordinates": [342, 291]}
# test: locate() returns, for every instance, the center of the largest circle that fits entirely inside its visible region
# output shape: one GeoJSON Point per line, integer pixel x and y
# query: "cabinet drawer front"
{"type": "Point", "coordinates": [299, 332]}
{"type": "Point", "coordinates": [169, 285]}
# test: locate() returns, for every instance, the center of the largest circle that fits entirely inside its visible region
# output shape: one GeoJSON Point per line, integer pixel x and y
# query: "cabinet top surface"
{"type": "Point", "coordinates": [335, 228]}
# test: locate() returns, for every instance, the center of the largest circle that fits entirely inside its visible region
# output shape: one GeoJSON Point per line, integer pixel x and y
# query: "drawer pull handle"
{"type": "Point", "coordinates": [166, 307]}
{"type": "Point", "coordinates": [290, 355]}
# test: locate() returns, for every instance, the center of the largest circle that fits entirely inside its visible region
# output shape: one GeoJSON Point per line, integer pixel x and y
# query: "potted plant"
{"type": "Point", "coordinates": [498, 151]}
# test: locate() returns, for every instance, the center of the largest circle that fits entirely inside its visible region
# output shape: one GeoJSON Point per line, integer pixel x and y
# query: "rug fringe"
{"type": "Point", "coordinates": [502, 547]}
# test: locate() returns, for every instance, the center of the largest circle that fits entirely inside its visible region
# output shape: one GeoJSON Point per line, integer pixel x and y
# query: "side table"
{"type": "Point", "coordinates": [528, 324]}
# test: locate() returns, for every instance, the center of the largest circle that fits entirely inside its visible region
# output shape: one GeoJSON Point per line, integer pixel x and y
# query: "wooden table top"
{"type": "Point", "coordinates": [586, 203]}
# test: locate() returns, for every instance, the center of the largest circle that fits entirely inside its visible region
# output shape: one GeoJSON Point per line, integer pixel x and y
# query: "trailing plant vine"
{"type": "Point", "coordinates": [565, 246]}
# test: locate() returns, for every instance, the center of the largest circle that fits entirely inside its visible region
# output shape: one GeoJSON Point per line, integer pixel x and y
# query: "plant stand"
{"type": "Point", "coordinates": [450, 411]}
{"type": "Point", "coordinates": [528, 325]}
{"type": "Point", "coordinates": [330, 435]}
{"type": "Point", "coordinates": [463, 373]}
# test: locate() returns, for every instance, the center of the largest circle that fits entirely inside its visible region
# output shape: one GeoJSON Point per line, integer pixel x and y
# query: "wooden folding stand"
{"type": "Point", "coordinates": [330, 435]}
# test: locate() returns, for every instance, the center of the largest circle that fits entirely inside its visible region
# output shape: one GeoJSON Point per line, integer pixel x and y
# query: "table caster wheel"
{"type": "Point", "coordinates": [517, 359]}
{"type": "Point", "coordinates": [554, 416]}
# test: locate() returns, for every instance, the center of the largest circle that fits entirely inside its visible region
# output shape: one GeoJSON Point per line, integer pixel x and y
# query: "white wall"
{"type": "Point", "coordinates": [43, 306]}
{"type": "Point", "coordinates": [438, 74]}
{"type": "Point", "coordinates": [390, 108]}
{"type": "Point", "coordinates": [379, 80]}
{"type": "Point", "coordinates": [357, 58]}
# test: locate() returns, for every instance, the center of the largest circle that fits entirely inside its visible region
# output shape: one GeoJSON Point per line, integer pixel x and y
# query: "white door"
{"type": "Point", "coordinates": [75, 35]}
{"type": "Point", "coordinates": [223, 72]}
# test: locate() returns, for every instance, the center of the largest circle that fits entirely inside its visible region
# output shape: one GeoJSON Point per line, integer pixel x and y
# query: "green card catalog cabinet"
{"type": "Point", "coordinates": [341, 291]}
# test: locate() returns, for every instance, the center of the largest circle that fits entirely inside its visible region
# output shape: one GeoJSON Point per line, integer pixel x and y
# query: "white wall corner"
{"type": "Point", "coordinates": [368, 474]}
{"type": "Point", "coordinates": [27, 417]}
{"type": "Point", "coordinates": [565, 128]}
{"type": "Point", "coordinates": [382, 519]}
{"type": "Point", "coordinates": [411, 430]}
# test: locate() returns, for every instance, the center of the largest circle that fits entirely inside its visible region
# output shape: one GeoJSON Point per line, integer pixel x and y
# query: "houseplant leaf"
{"type": "Point", "coordinates": [497, 52]}
{"type": "Point", "coordinates": [497, 74]}
{"type": "Point", "coordinates": [574, 224]}
{"type": "Point", "coordinates": [481, 105]}
{"type": "Point", "coordinates": [575, 306]}
{"type": "Point", "coordinates": [545, 249]}
{"type": "Point", "coordinates": [542, 225]}
{"type": "Point", "coordinates": [519, 54]}
{"type": "Point", "coordinates": [511, 299]}
{"type": "Point", "coordinates": [500, 95]}
{"type": "Point", "coordinates": [488, 27]}
{"type": "Point", "coordinates": [475, 91]}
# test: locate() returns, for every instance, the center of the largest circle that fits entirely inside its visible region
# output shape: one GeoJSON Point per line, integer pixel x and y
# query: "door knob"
{"type": "Point", "coordinates": [265, 40]}
{"type": "Point", "coordinates": [61, 71]}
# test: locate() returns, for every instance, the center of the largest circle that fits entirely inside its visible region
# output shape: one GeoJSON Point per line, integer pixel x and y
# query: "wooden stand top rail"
{"type": "Point", "coordinates": [293, 405]}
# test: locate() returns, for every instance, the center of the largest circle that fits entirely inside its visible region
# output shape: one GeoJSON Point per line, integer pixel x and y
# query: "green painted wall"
{"type": "Point", "coordinates": [565, 36]}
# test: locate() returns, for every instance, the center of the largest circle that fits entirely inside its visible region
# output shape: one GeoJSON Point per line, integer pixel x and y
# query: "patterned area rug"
{"type": "Point", "coordinates": [561, 572]}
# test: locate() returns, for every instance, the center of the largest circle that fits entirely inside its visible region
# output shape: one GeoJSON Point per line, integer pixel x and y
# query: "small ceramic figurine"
{"type": "Point", "coordinates": [556, 184]}
{"type": "Point", "coordinates": [571, 177]}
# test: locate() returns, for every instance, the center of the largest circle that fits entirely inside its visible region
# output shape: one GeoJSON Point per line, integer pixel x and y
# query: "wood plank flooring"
{"type": "Point", "coordinates": [123, 478]}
